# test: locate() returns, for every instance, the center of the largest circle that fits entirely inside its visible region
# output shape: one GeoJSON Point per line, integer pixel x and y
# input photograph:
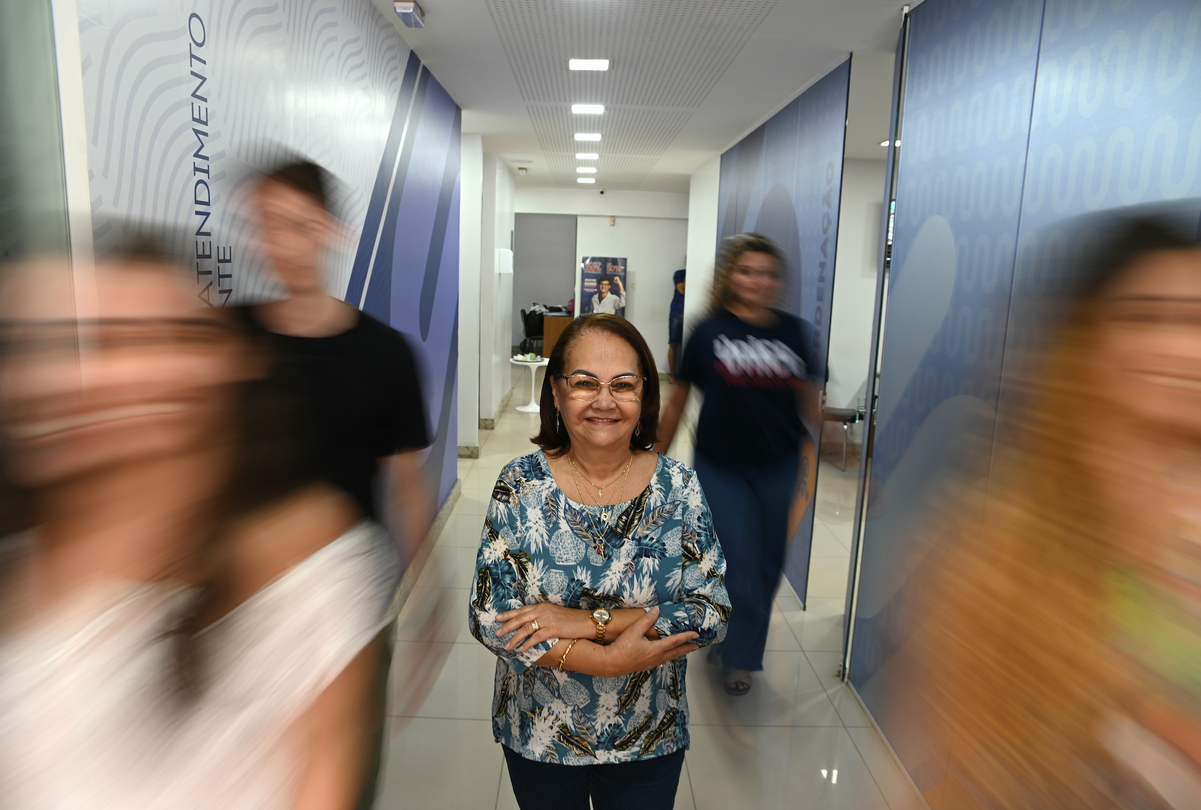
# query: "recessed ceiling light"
{"type": "Point", "coordinates": [587, 136]}
{"type": "Point", "coordinates": [410, 13]}
{"type": "Point", "coordinates": [585, 170]}
{"type": "Point", "coordinates": [588, 109]}
{"type": "Point", "coordinates": [587, 156]}
{"type": "Point", "coordinates": [588, 64]}
{"type": "Point", "coordinates": [585, 179]}
{"type": "Point", "coordinates": [884, 142]}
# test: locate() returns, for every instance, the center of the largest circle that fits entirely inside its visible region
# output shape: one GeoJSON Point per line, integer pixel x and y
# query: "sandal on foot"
{"type": "Point", "coordinates": [738, 681]}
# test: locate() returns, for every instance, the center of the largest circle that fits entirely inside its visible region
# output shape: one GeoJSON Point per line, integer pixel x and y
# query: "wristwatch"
{"type": "Point", "coordinates": [601, 617]}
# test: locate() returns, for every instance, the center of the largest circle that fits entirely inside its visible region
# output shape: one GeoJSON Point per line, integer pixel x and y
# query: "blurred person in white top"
{"type": "Point", "coordinates": [186, 620]}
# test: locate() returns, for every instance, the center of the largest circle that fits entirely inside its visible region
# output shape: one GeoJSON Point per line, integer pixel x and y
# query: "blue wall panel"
{"type": "Point", "coordinates": [968, 95]}
{"type": "Point", "coordinates": [1018, 120]}
{"type": "Point", "coordinates": [784, 180]}
{"type": "Point", "coordinates": [1117, 122]}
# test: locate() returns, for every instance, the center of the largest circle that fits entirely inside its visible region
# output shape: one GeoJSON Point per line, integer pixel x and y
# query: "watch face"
{"type": "Point", "coordinates": [600, 615]}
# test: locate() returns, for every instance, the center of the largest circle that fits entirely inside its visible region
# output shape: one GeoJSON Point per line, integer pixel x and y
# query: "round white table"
{"type": "Point", "coordinates": [533, 366]}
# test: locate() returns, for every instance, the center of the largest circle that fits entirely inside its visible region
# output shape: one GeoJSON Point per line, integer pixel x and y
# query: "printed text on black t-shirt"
{"type": "Point", "coordinates": [758, 363]}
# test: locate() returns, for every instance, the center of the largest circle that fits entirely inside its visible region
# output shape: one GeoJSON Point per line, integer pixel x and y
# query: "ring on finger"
{"type": "Point", "coordinates": [534, 625]}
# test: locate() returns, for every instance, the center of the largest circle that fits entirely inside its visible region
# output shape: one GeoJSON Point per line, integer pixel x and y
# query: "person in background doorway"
{"type": "Point", "coordinates": [598, 571]}
{"type": "Point", "coordinates": [605, 302]}
{"type": "Point", "coordinates": [675, 323]}
{"type": "Point", "coordinates": [758, 369]}
{"type": "Point", "coordinates": [357, 376]}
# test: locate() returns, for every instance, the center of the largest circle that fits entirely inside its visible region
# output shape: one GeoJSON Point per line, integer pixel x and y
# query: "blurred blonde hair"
{"type": "Point", "coordinates": [1016, 656]}
{"type": "Point", "coordinates": [730, 251]}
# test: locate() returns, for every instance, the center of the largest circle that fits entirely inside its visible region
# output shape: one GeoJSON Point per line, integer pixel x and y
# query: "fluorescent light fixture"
{"type": "Point", "coordinates": [587, 136]}
{"type": "Point", "coordinates": [588, 109]}
{"type": "Point", "coordinates": [587, 156]}
{"type": "Point", "coordinates": [585, 179]}
{"type": "Point", "coordinates": [410, 13]}
{"type": "Point", "coordinates": [585, 170]}
{"type": "Point", "coordinates": [588, 64]}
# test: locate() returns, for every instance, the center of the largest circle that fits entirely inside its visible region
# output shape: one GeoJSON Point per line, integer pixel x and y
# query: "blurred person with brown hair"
{"type": "Point", "coordinates": [357, 377]}
{"type": "Point", "coordinates": [598, 571]}
{"type": "Point", "coordinates": [186, 618]}
{"type": "Point", "coordinates": [1061, 642]}
{"type": "Point", "coordinates": [358, 380]}
{"type": "Point", "coordinates": [757, 368]}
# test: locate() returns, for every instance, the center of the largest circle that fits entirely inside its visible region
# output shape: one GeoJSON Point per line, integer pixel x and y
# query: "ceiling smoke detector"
{"type": "Point", "coordinates": [410, 13]}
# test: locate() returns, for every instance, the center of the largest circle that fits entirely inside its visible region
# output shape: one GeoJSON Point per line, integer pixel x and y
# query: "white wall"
{"type": "Point", "coordinates": [702, 249]}
{"type": "Point", "coordinates": [855, 280]}
{"type": "Point", "coordinates": [72, 112]}
{"type": "Point", "coordinates": [654, 250]}
{"type": "Point", "coordinates": [590, 202]}
{"type": "Point", "coordinates": [471, 192]}
{"type": "Point", "coordinates": [496, 289]}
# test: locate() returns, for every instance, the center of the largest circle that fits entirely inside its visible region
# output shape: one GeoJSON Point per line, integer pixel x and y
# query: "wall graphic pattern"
{"type": "Point", "coordinates": [784, 180]}
{"type": "Point", "coordinates": [186, 99]}
{"type": "Point", "coordinates": [1019, 117]}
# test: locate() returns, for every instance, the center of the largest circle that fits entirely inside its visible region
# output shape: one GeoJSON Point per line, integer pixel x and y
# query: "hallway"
{"type": "Point", "coordinates": [798, 740]}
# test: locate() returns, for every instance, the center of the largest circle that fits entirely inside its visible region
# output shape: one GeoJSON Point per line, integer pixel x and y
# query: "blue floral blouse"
{"type": "Point", "coordinates": [537, 546]}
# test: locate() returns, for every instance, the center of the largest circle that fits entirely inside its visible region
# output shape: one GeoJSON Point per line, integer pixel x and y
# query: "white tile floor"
{"type": "Point", "coordinates": [799, 740]}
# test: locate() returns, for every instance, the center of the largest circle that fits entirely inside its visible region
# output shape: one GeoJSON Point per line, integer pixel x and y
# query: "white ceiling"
{"type": "Point", "coordinates": [688, 77]}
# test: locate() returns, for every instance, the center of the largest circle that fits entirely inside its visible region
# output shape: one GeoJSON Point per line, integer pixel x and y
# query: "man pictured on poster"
{"type": "Point", "coordinates": [606, 302]}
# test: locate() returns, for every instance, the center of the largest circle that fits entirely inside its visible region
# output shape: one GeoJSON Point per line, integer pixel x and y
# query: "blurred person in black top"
{"type": "Point", "coordinates": [759, 371]}
{"type": "Point", "coordinates": [356, 376]}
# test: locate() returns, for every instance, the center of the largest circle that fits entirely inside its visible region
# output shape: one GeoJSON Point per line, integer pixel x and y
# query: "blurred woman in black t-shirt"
{"type": "Point", "coordinates": [758, 369]}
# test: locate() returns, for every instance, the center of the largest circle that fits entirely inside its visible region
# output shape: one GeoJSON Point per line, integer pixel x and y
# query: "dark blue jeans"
{"type": "Point", "coordinates": [644, 784]}
{"type": "Point", "coordinates": [750, 515]}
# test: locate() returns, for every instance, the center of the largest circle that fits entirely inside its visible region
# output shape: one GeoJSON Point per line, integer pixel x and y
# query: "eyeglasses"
{"type": "Point", "coordinates": [585, 388]}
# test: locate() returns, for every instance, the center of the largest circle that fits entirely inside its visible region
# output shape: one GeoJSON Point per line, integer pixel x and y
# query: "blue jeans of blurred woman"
{"type": "Point", "coordinates": [750, 507]}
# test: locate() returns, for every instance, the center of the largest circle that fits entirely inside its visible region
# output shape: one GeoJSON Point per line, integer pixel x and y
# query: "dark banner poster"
{"type": "Point", "coordinates": [602, 285]}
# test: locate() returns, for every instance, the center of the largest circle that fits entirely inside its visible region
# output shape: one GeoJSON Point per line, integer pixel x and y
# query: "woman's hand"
{"type": "Point", "coordinates": [554, 621]}
{"type": "Point", "coordinates": [632, 651]}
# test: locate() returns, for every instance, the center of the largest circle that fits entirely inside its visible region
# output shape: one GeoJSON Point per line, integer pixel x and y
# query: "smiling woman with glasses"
{"type": "Point", "coordinates": [598, 570]}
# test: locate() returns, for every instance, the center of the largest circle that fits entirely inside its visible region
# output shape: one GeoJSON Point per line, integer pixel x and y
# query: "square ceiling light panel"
{"type": "Point", "coordinates": [410, 14]}
{"type": "Point", "coordinates": [588, 64]}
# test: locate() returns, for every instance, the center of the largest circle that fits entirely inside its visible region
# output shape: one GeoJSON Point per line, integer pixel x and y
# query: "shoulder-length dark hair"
{"type": "Point", "coordinates": [553, 437]}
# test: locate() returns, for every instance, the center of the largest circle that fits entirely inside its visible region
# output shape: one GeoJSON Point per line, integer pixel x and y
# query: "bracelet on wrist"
{"type": "Point", "coordinates": [563, 657]}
